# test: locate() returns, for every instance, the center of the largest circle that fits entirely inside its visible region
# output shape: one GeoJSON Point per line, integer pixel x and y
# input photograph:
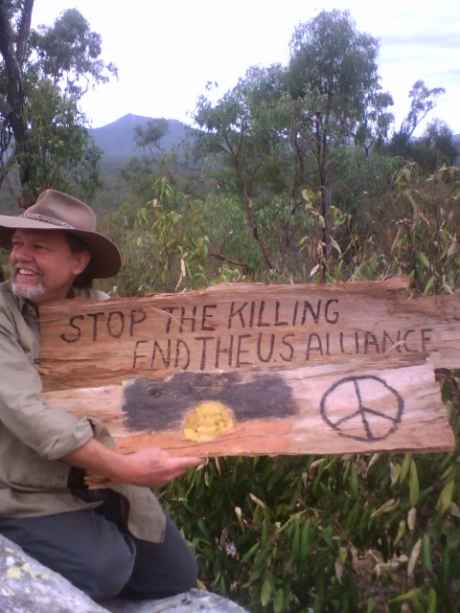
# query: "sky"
{"type": "Point", "coordinates": [166, 51]}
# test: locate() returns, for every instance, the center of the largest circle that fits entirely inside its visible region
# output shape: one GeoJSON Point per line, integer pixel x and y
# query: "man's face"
{"type": "Point", "coordinates": [43, 265]}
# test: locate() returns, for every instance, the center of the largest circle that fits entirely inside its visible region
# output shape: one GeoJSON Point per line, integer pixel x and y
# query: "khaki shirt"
{"type": "Point", "coordinates": [34, 436]}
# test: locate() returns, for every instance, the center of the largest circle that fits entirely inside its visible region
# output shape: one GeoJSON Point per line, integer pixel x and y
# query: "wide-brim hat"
{"type": "Point", "coordinates": [55, 210]}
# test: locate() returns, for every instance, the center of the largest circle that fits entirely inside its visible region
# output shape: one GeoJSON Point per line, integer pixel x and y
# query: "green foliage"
{"type": "Point", "coordinates": [434, 149]}
{"type": "Point", "coordinates": [246, 133]}
{"type": "Point", "coordinates": [165, 246]}
{"type": "Point", "coordinates": [64, 155]}
{"type": "Point", "coordinates": [44, 72]}
{"type": "Point", "coordinates": [426, 242]}
{"type": "Point", "coordinates": [273, 133]}
{"type": "Point", "coordinates": [388, 220]}
{"type": "Point", "coordinates": [333, 70]}
{"type": "Point", "coordinates": [69, 54]}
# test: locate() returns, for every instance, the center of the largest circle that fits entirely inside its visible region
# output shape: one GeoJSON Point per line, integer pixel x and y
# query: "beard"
{"type": "Point", "coordinates": [30, 292]}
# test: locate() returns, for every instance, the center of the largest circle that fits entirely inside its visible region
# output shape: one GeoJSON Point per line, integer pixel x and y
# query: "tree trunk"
{"type": "Point", "coordinates": [13, 59]}
{"type": "Point", "coordinates": [249, 213]}
{"type": "Point", "coordinates": [321, 156]}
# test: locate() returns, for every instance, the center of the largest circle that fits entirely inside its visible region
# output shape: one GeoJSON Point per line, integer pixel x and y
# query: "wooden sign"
{"type": "Point", "coordinates": [256, 369]}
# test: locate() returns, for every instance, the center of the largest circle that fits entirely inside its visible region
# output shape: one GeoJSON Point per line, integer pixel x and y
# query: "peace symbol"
{"type": "Point", "coordinates": [359, 418]}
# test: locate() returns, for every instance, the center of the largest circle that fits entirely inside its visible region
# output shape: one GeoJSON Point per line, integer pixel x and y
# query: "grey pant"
{"type": "Point", "coordinates": [93, 553]}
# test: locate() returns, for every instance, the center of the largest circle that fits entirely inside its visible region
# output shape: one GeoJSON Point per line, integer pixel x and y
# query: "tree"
{"type": "Point", "coordinates": [375, 125]}
{"type": "Point", "coordinates": [333, 76]}
{"type": "Point", "coordinates": [435, 148]}
{"type": "Point", "coordinates": [62, 154]}
{"type": "Point", "coordinates": [148, 137]}
{"type": "Point", "coordinates": [278, 129]}
{"type": "Point", "coordinates": [423, 101]}
{"type": "Point", "coordinates": [162, 158]}
{"type": "Point", "coordinates": [438, 138]}
{"type": "Point", "coordinates": [246, 132]}
{"type": "Point", "coordinates": [13, 45]}
{"type": "Point", "coordinates": [50, 69]}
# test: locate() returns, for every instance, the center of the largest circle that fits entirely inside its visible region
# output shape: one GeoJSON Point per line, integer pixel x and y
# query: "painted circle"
{"type": "Point", "coordinates": [361, 413]}
{"type": "Point", "coordinates": [207, 421]}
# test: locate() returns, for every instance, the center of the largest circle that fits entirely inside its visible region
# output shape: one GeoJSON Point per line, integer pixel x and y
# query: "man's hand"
{"type": "Point", "coordinates": [151, 467]}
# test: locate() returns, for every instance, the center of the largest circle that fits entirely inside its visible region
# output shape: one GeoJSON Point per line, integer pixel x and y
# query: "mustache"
{"type": "Point", "coordinates": [15, 271]}
{"type": "Point", "coordinates": [18, 267]}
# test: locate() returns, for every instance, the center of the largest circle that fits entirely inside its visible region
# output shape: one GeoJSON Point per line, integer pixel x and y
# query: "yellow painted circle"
{"type": "Point", "coordinates": [208, 420]}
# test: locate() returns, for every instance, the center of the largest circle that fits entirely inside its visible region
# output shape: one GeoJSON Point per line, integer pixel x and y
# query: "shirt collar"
{"type": "Point", "coordinates": [18, 300]}
{"type": "Point", "coordinates": [27, 307]}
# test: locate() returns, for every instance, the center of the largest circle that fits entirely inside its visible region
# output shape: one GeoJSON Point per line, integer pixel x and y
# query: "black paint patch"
{"type": "Point", "coordinates": [160, 405]}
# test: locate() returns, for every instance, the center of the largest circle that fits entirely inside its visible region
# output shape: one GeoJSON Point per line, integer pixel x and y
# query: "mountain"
{"type": "Point", "coordinates": [117, 142]}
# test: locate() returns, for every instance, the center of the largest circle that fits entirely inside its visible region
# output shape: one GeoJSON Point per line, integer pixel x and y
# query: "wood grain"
{"type": "Point", "coordinates": [323, 409]}
{"type": "Point", "coordinates": [240, 327]}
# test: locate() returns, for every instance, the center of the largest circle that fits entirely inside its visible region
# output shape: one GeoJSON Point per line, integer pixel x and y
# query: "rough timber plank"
{"type": "Point", "coordinates": [324, 409]}
{"type": "Point", "coordinates": [244, 327]}
{"type": "Point", "coordinates": [258, 369]}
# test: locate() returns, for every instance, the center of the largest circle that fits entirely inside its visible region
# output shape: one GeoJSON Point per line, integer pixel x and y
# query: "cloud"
{"type": "Point", "coordinates": [446, 41]}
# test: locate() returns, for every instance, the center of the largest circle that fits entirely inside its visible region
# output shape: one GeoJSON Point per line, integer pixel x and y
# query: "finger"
{"type": "Point", "coordinates": [186, 461]}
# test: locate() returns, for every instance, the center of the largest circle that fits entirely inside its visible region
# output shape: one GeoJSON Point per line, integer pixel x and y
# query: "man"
{"type": "Point", "coordinates": [107, 542]}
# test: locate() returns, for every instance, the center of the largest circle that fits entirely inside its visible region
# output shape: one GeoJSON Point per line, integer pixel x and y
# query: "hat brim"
{"type": "Point", "coordinates": [105, 261]}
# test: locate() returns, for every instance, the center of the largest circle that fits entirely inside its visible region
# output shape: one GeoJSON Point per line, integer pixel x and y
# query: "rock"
{"type": "Point", "coordinates": [194, 601]}
{"type": "Point", "coordinates": [26, 586]}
